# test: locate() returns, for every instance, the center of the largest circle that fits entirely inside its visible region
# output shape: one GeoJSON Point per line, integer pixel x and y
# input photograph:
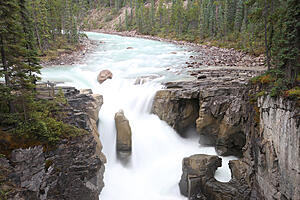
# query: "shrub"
{"type": "Point", "coordinates": [293, 93]}
{"type": "Point", "coordinates": [42, 121]}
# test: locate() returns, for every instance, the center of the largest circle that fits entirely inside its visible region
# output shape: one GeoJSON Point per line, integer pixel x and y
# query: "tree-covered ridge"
{"type": "Point", "coordinates": [28, 28]}
{"type": "Point", "coordinates": [269, 27]}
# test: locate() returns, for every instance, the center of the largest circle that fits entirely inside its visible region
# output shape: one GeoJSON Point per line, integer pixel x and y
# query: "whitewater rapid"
{"type": "Point", "coordinates": [154, 168]}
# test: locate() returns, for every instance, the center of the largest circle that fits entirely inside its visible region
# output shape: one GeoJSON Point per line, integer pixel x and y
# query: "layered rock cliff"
{"type": "Point", "coordinates": [265, 133]}
{"type": "Point", "coordinates": [276, 149]}
{"type": "Point", "coordinates": [212, 104]}
{"type": "Point", "coordinates": [73, 169]}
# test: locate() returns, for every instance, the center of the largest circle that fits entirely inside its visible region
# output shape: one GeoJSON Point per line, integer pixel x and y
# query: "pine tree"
{"type": "Point", "coordinates": [19, 65]}
{"type": "Point", "coordinates": [239, 16]}
{"type": "Point", "coordinates": [152, 14]}
{"type": "Point", "coordinates": [290, 46]}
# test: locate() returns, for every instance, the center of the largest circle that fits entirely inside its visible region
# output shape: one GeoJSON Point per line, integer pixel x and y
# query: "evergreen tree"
{"type": "Point", "coordinates": [19, 65]}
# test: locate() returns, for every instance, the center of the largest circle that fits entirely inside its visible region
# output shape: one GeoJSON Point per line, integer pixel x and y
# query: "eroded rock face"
{"type": "Point", "coordinates": [266, 133]}
{"type": "Point", "coordinates": [198, 182]}
{"type": "Point", "coordinates": [199, 166]}
{"type": "Point", "coordinates": [277, 149]}
{"type": "Point", "coordinates": [213, 103]}
{"type": "Point", "coordinates": [220, 118]}
{"type": "Point", "coordinates": [124, 141]}
{"type": "Point", "coordinates": [177, 106]}
{"type": "Point", "coordinates": [104, 75]}
{"type": "Point", "coordinates": [73, 169]}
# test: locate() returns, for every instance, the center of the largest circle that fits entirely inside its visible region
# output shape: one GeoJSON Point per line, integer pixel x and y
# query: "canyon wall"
{"type": "Point", "coordinates": [277, 148]}
{"type": "Point", "coordinates": [264, 133]}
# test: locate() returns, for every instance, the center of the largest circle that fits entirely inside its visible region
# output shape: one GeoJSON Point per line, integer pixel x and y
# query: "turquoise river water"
{"type": "Point", "coordinates": [154, 168]}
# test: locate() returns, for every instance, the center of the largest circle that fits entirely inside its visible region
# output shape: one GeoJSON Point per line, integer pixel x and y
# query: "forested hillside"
{"type": "Point", "coordinates": [269, 27]}
{"type": "Point", "coordinates": [30, 29]}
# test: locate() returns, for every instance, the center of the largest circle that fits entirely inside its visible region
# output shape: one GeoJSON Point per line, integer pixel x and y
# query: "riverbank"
{"type": "Point", "coordinates": [205, 55]}
{"type": "Point", "coordinates": [70, 56]}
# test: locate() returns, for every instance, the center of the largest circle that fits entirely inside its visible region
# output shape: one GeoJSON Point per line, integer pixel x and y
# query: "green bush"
{"type": "Point", "coordinates": [42, 121]}
{"type": "Point", "coordinates": [293, 93]}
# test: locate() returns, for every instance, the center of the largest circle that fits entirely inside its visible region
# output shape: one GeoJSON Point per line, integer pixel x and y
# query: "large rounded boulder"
{"type": "Point", "coordinates": [104, 75]}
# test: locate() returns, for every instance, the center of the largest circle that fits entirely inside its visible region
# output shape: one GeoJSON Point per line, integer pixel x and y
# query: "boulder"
{"type": "Point", "coordinates": [104, 75]}
{"type": "Point", "coordinates": [124, 135]}
{"type": "Point", "coordinates": [198, 182]}
{"type": "Point", "coordinates": [197, 167]}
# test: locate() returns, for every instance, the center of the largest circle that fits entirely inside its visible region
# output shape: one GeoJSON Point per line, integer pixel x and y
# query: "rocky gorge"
{"type": "Point", "coordinates": [219, 104]}
{"type": "Point", "coordinates": [264, 133]}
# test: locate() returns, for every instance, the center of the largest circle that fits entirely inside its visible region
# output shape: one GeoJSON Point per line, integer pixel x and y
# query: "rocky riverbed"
{"type": "Point", "coordinates": [205, 55]}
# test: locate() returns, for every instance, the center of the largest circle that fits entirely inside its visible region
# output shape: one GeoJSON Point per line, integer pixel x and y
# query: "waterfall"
{"type": "Point", "coordinates": [154, 168]}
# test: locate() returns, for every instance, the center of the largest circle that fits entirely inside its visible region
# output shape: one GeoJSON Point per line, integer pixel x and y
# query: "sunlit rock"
{"type": "Point", "coordinates": [179, 108]}
{"type": "Point", "coordinates": [104, 75]}
{"type": "Point", "coordinates": [124, 135]}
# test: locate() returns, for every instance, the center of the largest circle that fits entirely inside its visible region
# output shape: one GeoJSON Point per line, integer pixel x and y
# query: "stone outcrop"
{"type": "Point", "coordinates": [270, 163]}
{"type": "Point", "coordinates": [199, 166]}
{"type": "Point", "coordinates": [177, 105]}
{"type": "Point", "coordinates": [198, 182]}
{"type": "Point", "coordinates": [215, 101]}
{"type": "Point", "coordinates": [73, 169]}
{"type": "Point", "coordinates": [124, 141]}
{"type": "Point", "coordinates": [104, 75]}
{"type": "Point", "coordinates": [220, 116]}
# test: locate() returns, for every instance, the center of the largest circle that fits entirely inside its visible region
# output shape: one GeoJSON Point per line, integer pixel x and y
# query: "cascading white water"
{"type": "Point", "coordinates": [154, 168]}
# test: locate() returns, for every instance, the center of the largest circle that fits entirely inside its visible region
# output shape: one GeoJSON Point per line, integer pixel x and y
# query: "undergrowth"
{"type": "Point", "coordinates": [274, 83]}
{"type": "Point", "coordinates": [43, 125]}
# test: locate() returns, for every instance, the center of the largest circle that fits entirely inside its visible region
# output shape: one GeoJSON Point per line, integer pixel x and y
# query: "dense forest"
{"type": "Point", "coordinates": [31, 29]}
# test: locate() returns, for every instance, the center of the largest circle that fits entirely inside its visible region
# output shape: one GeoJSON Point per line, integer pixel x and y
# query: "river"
{"type": "Point", "coordinates": [154, 168]}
